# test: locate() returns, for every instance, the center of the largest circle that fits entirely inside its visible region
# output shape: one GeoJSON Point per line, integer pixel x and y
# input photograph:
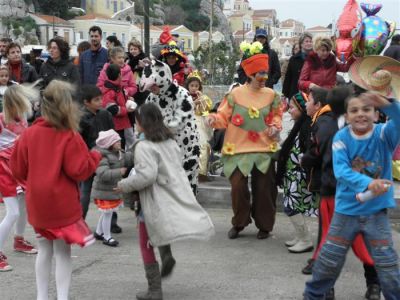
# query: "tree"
{"type": "Point", "coordinates": [174, 14]}
{"type": "Point", "coordinates": [221, 59]}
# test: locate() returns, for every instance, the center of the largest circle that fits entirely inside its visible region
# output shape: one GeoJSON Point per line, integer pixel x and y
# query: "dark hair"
{"type": "Point", "coordinates": [88, 92]}
{"type": "Point", "coordinates": [114, 40]}
{"type": "Point", "coordinates": [319, 95]}
{"type": "Point", "coordinates": [62, 46]}
{"type": "Point", "coordinates": [113, 71]}
{"type": "Point", "coordinates": [151, 120]}
{"type": "Point", "coordinates": [6, 40]}
{"type": "Point", "coordinates": [303, 37]}
{"type": "Point", "coordinates": [395, 40]}
{"type": "Point", "coordinates": [294, 47]}
{"type": "Point", "coordinates": [12, 45]}
{"type": "Point", "coordinates": [83, 46]}
{"type": "Point", "coordinates": [191, 79]}
{"type": "Point", "coordinates": [337, 97]}
{"type": "Point", "coordinates": [94, 29]}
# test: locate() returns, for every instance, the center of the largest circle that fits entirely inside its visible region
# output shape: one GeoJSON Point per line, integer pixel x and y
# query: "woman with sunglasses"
{"type": "Point", "coordinates": [252, 116]}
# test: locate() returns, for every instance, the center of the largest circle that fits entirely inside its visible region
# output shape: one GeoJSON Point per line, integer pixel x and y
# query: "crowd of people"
{"type": "Point", "coordinates": [145, 126]}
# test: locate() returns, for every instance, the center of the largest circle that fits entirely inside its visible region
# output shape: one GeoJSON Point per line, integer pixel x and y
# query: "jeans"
{"type": "Point", "coordinates": [378, 237]}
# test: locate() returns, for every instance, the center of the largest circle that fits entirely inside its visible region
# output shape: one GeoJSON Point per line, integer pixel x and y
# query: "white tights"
{"type": "Point", "coordinates": [62, 253]}
{"type": "Point", "coordinates": [15, 214]}
{"type": "Point", "coordinates": [104, 224]}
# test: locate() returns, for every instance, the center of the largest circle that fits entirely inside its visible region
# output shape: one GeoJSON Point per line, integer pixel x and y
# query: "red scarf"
{"type": "Point", "coordinates": [16, 71]}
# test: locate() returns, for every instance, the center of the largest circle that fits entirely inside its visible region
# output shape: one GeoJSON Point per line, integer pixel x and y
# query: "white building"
{"type": "Point", "coordinates": [51, 26]}
{"type": "Point", "coordinates": [291, 28]}
{"type": "Point", "coordinates": [320, 31]}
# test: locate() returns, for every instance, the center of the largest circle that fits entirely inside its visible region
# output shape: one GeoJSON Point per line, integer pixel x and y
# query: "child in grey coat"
{"type": "Point", "coordinates": [111, 169]}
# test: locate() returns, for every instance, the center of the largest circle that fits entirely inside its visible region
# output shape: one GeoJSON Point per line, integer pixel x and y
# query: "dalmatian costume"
{"type": "Point", "coordinates": [177, 108]}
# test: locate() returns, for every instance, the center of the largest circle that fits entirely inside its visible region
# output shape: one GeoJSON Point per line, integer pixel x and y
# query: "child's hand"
{"type": "Point", "coordinates": [123, 171]}
{"type": "Point", "coordinates": [211, 120]}
{"type": "Point", "coordinates": [379, 186]}
{"type": "Point", "coordinates": [117, 190]}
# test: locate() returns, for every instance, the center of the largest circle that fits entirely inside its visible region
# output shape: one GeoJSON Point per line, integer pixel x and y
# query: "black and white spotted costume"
{"type": "Point", "coordinates": [177, 108]}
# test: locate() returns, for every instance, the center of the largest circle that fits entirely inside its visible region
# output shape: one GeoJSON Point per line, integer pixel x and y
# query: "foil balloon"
{"type": "Point", "coordinates": [375, 32]}
{"type": "Point", "coordinates": [348, 30]}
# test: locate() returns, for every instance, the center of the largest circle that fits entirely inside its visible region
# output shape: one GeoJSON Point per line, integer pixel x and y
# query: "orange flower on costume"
{"type": "Point", "coordinates": [228, 149]}
{"type": "Point", "coordinates": [237, 120]}
{"type": "Point", "coordinates": [269, 119]}
{"type": "Point", "coordinates": [253, 136]}
{"type": "Point", "coordinates": [273, 147]}
{"type": "Point", "coordinates": [254, 113]}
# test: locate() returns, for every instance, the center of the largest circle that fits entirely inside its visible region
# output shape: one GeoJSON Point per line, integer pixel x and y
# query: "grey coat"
{"type": "Point", "coordinates": [108, 174]}
{"type": "Point", "coordinates": [171, 211]}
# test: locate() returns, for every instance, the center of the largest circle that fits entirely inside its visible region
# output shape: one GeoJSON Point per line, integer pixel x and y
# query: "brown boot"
{"type": "Point", "coordinates": [154, 291]}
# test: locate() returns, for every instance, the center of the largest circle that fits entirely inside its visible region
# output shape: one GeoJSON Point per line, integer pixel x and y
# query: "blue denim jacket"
{"type": "Point", "coordinates": [90, 64]}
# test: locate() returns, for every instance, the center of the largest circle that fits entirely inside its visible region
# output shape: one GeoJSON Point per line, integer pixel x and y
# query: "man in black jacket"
{"type": "Point", "coordinates": [274, 72]}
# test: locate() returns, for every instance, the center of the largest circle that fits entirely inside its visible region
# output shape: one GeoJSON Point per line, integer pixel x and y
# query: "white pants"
{"type": "Point", "coordinates": [15, 214]}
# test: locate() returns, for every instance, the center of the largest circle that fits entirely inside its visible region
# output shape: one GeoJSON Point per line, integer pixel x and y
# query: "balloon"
{"type": "Point", "coordinates": [375, 32]}
{"type": "Point", "coordinates": [348, 30]}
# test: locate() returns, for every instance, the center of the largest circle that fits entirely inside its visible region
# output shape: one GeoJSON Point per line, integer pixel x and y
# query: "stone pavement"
{"type": "Point", "coordinates": [219, 269]}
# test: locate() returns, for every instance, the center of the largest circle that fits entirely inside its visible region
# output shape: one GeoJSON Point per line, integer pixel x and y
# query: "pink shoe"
{"type": "Point", "coordinates": [4, 266]}
{"type": "Point", "coordinates": [22, 245]}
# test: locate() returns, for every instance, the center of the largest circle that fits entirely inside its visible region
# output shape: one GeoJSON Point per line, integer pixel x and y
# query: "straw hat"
{"type": "Point", "coordinates": [377, 73]}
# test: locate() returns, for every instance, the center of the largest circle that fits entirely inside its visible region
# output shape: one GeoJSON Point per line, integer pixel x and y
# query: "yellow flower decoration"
{"type": "Point", "coordinates": [205, 113]}
{"type": "Point", "coordinates": [228, 149]}
{"type": "Point", "coordinates": [244, 46]}
{"type": "Point", "coordinates": [254, 113]}
{"type": "Point", "coordinates": [172, 43]}
{"type": "Point", "coordinates": [273, 147]}
{"type": "Point", "coordinates": [256, 48]}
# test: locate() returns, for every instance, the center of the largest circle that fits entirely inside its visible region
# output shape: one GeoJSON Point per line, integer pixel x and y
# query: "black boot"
{"type": "Point", "coordinates": [114, 226]}
{"type": "Point", "coordinates": [167, 260]}
{"type": "Point", "coordinates": [154, 291]}
{"type": "Point", "coordinates": [372, 280]}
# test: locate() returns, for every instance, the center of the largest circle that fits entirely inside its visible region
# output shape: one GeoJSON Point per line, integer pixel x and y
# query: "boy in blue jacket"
{"type": "Point", "coordinates": [362, 155]}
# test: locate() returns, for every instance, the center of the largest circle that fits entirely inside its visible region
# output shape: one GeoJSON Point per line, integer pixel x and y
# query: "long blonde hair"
{"type": "Point", "coordinates": [58, 107]}
{"type": "Point", "coordinates": [17, 102]}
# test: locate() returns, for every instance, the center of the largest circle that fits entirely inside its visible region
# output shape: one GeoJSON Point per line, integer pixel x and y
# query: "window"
{"type": "Point", "coordinates": [81, 35]}
{"type": "Point", "coordinates": [108, 4]}
{"type": "Point", "coordinates": [189, 43]}
{"type": "Point", "coordinates": [115, 6]}
{"type": "Point", "coordinates": [122, 5]}
{"type": "Point", "coordinates": [114, 34]}
{"type": "Point", "coordinates": [123, 39]}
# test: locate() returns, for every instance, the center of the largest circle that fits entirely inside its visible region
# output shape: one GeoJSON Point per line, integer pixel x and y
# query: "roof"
{"type": "Point", "coordinates": [317, 28]}
{"type": "Point", "coordinates": [289, 23]}
{"type": "Point", "coordinates": [264, 12]}
{"type": "Point", "coordinates": [91, 17]}
{"type": "Point", "coordinates": [52, 19]}
{"type": "Point", "coordinates": [241, 32]}
{"type": "Point", "coordinates": [291, 40]}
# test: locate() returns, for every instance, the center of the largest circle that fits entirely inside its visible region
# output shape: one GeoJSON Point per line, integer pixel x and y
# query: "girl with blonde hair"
{"type": "Point", "coordinates": [52, 158]}
{"type": "Point", "coordinates": [13, 121]}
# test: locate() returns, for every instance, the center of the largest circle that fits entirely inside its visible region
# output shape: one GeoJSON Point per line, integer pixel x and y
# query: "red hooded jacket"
{"type": "Point", "coordinates": [114, 101]}
{"type": "Point", "coordinates": [52, 162]}
{"type": "Point", "coordinates": [321, 72]}
{"type": "Point", "coordinates": [128, 83]}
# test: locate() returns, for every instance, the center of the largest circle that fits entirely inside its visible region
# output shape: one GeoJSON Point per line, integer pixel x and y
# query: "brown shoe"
{"type": "Point", "coordinates": [233, 233]}
{"type": "Point", "coordinates": [261, 235]}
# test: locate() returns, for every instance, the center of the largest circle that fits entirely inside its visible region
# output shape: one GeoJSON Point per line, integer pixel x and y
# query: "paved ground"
{"type": "Point", "coordinates": [240, 269]}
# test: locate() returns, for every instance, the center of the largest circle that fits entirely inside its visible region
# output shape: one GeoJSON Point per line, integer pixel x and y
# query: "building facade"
{"type": "Point", "coordinates": [51, 26]}
{"type": "Point", "coordinates": [104, 7]}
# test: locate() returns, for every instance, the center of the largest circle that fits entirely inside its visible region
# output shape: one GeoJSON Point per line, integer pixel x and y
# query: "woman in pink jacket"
{"type": "Point", "coordinates": [320, 67]}
{"type": "Point", "coordinates": [127, 84]}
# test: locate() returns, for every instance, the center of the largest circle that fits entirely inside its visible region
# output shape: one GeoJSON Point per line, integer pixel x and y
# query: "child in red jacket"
{"type": "Point", "coordinates": [12, 124]}
{"type": "Point", "coordinates": [52, 158]}
{"type": "Point", "coordinates": [114, 100]}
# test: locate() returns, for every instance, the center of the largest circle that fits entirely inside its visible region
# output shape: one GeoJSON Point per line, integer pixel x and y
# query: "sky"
{"type": "Point", "coordinates": [321, 12]}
